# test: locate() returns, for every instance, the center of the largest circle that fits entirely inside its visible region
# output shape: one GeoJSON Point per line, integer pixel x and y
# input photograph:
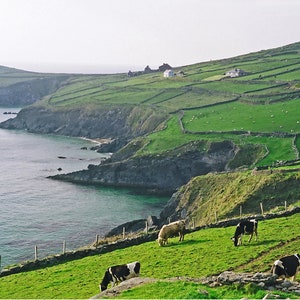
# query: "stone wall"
{"type": "Point", "coordinates": [263, 280]}
{"type": "Point", "coordinates": [77, 254]}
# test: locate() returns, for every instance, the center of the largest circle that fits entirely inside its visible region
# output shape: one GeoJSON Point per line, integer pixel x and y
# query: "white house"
{"type": "Point", "coordinates": [235, 73]}
{"type": "Point", "coordinates": [169, 73]}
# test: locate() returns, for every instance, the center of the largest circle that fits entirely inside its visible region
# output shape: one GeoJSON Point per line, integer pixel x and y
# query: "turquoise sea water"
{"type": "Point", "coordinates": [38, 211]}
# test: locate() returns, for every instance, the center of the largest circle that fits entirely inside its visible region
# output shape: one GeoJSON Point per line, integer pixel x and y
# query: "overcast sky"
{"type": "Point", "coordinates": [99, 36]}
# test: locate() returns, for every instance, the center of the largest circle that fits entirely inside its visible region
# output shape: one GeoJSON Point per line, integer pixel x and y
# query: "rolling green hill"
{"type": "Point", "coordinates": [200, 103]}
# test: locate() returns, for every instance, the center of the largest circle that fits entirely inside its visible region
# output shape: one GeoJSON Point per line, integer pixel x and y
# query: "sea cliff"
{"type": "Point", "coordinates": [111, 121]}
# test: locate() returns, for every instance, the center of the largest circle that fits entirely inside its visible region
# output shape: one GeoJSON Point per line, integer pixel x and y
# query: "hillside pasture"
{"type": "Point", "coordinates": [264, 103]}
{"type": "Point", "coordinates": [276, 148]}
{"type": "Point", "coordinates": [203, 253]}
{"type": "Point", "coordinates": [234, 86]}
{"type": "Point", "coordinates": [278, 117]}
{"type": "Point", "coordinates": [194, 99]}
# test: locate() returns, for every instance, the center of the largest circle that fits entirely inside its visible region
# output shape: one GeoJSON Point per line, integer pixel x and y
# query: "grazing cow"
{"type": "Point", "coordinates": [244, 227]}
{"type": "Point", "coordinates": [287, 266]}
{"type": "Point", "coordinates": [119, 273]}
{"type": "Point", "coordinates": [169, 230]}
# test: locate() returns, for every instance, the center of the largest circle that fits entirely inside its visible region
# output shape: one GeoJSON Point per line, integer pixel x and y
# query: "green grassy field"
{"type": "Point", "coordinates": [204, 252]}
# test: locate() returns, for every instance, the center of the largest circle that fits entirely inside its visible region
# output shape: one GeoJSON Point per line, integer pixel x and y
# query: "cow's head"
{"type": "Point", "coordinates": [105, 281]}
{"type": "Point", "coordinates": [102, 287]}
{"type": "Point", "coordinates": [235, 240]}
{"type": "Point", "coordinates": [160, 241]}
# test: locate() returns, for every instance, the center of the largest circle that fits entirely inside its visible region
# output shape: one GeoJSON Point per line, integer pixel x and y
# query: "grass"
{"type": "Point", "coordinates": [203, 253]}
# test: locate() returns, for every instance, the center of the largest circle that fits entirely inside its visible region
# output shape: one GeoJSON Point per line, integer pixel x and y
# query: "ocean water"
{"type": "Point", "coordinates": [37, 211]}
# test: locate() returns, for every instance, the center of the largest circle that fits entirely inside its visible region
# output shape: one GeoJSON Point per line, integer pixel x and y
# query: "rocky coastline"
{"type": "Point", "coordinates": [161, 174]}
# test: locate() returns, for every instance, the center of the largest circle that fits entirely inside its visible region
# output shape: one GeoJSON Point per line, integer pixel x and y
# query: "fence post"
{"type": "Point", "coordinates": [123, 232]}
{"type": "Point", "coordinates": [0, 264]}
{"type": "Point", "coordinates": [64, 246]}
{"type": "Point", "coordinates": [241, 209]}
{"type": "Point", "coordinates": [146, 227]}
{"type": "Point", "coordinates": [285, 205]}
{"type": "Point", "coordinates": [261, 208]}
{"type": "Point", "coordinates": [97, 240]}
{"type": "Point", "coordinates": [35, 252]}
{"type": "Point", "coordinates": [216, 216]}
{"type": "Point", "coordinates": [193, 222]}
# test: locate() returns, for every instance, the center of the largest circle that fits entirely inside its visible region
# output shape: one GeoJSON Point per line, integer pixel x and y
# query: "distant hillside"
{"type": "Point", "coordinates": [250, 102]}
{"type": "Point", "coordinates": [21, 88]}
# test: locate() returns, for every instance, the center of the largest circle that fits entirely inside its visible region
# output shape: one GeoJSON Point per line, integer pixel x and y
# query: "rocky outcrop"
{"type": "Point", "coordinates": [263, 280]}
{"type": "Point", "coordinates": [157, 173]}
{"type": "Point", "coordinates": [110, 146]}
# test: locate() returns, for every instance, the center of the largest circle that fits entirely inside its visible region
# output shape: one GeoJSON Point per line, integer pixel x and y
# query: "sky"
{"type": "Point", "coordinates": [108, 36]}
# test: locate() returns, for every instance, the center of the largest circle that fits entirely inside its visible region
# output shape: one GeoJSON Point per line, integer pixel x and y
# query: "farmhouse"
{"type": "Point", "coordinates": [235, 73]}
{"type": "Point", "coordinates": [169, 73]}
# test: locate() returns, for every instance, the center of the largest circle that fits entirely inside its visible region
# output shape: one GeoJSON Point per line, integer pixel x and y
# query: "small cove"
{"type": "Point", "coordinates": [39, 211]}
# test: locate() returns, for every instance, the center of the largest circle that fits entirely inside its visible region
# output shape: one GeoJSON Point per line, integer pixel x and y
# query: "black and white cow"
{"type": "Point", "coordinates": [119, 273]}
{"type": "Point", "coordinates": [245, 227]}
{"type": "Point", "coordinates": [287, 266]}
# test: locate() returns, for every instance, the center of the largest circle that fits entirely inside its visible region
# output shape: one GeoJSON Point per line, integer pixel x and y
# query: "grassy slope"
{"type": "Point", "coordinates": [224, 194]}
{"type": "Point", "coordinates": [203, 253]}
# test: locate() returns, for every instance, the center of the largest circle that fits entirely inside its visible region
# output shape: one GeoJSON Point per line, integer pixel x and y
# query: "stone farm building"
{"type": "Point", "coordinates": [169, 73]}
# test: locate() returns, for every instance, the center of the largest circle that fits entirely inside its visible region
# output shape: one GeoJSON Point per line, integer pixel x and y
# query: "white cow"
{"type": "Point", "coordinates": [170, 230]}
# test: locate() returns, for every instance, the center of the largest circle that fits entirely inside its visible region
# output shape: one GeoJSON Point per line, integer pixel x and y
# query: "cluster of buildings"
{"type": "Point", "coordinates": [165, 68]}
{"type": "Point", "coordinates": [169, 72]}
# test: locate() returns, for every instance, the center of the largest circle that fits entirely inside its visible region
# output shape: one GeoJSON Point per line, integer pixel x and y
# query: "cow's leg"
{"type": "Point", "coordinates": [181, 236]}
{"type": "Point", "coordinates": [240, 240]}
{"type": "Point", "coordinates": [297, 270]}
{"type": "Point", "coordinates": [115, 280]}
{"type": "Point", "coordinates": [251, 235]}
{"type": "Point", "coordinates": [256, 236]}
